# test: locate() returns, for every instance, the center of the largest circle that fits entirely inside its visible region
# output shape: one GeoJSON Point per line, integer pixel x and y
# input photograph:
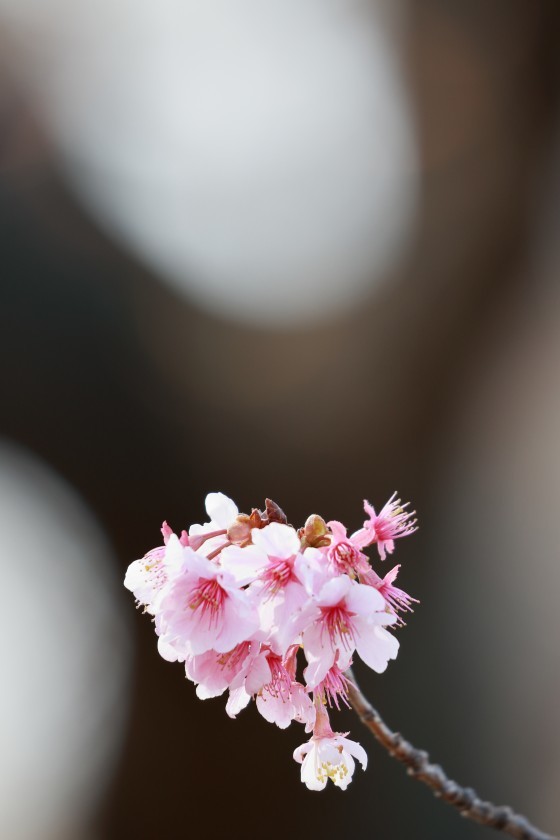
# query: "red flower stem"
{"type": "Point", "coordinates": [466, 800]}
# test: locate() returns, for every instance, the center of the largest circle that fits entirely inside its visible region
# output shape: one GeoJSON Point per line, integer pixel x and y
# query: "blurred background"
{"type": "Point", "coordinates": [305, 249]}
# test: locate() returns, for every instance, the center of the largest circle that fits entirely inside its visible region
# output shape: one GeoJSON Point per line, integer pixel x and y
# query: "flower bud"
{"type": "Point", "coordinates": [315, 532]}
{"type": "Point", "coordinates": [275, 513]}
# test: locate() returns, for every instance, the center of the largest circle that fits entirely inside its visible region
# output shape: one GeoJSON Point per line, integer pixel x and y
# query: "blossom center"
{"type": "Point", "coordinates": [277, 574]}
{"type": "Point", "coordinates": [335, 685]}
{"type": "Point", "coordinates": [233, 658]}
{"type": "Point", "coordinates": [154, 568]}
{"type": "Point", "coordinates": [338, 623]}
{"type": "Point", "coordinates": [326, 770]}
{"type": "Point", "coordinates": [208, 597]}
{"type": "Point", "coordinates": [344, 555]}
{"type": "Point", "coordinates": [281, 683]}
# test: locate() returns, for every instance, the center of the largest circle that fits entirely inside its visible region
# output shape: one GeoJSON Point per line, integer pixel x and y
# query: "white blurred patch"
{"type": "Point", "coordinates": [64, 655]}
{"type": "Point", "coordinates": [259, 155]}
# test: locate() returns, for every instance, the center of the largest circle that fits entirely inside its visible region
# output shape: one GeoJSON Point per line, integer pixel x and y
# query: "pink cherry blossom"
{"type": "Point", "coordinates": [203, 609]}
{"type": "Point", "coordinates": [345, 552]}
{"type": "Point", "coordinates": [213, 672]}
{"type": "Point", "coordinates": [277, 586]}
{"type": "Point", "coordinates": [392, 522]}
{"type": "Point", "coordinates": [271, 680]}
{"type": "Point", "coordinates": [280, 545]}
{"type": "Point", "coordinates": [246, 601]}
{"type": "Point", "coordinates": [255, 674]}
{"type": "Point", "coordinates": [283, 699]}
{"type": "Point", "coordinates": [352, 618]}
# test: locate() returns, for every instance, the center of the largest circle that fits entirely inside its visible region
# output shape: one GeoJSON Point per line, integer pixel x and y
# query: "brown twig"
{"type": "Point", "coordinates": [466, 800]}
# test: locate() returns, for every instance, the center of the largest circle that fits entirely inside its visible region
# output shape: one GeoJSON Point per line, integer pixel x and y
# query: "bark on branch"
{"type": "Point", "coordinates": [466, 800]}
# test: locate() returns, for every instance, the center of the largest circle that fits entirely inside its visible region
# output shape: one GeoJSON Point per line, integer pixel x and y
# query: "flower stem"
{"type": "Point", "coordinates": [466, 800]}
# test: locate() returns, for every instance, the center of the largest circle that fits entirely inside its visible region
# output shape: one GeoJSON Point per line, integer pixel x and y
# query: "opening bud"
{"type": "Point", "coordinates": [315, 533]}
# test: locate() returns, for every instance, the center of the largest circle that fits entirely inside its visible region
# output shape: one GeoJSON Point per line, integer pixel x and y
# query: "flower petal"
{"type": "Point", "coordinates": [221, 509]}
{"type": "Point", "coordinates": [309, 772]}
{"type": "Point", "coordinates": [238, 700]}
{"type": "Point", "coordinates": [277, 540]}
{"type": "Point", "coordinates": [356, 750]}
{"type": "Point", "coordinates": [243, 564]}
{"type": "Point", "coordinates": [375, 645]}
{"type": "Point", "coordinates": [364, 600]}
{"type": "Point", "coordinates": [334, 591]}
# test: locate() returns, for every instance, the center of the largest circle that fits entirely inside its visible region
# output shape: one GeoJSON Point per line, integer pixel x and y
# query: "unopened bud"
{"type": "Point", "coordinates": [275, 512]}
{"type": "Point", "coordinates": [315, 532]}
{"type": "Point", "coordinates": [257, 519]}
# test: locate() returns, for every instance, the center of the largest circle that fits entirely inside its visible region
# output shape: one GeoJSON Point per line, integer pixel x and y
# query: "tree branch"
{"type": "Point", "coordinates": [466, 800]}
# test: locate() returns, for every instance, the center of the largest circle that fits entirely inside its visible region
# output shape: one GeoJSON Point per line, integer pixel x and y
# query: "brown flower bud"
{"type": "Point", "coordinates": [275, 512]}
{"type": "Point", "coordinates": [257, 519]}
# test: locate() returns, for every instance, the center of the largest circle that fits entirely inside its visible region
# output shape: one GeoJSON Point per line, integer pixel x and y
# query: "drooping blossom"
{"type": "Point", "coordinates": [328, 755]}
{"type": "Point", "coordinates": [273, 614]}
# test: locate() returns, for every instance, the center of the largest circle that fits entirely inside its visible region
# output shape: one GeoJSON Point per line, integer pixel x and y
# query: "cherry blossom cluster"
{"type": "Point", "coordinates": [246, 600]}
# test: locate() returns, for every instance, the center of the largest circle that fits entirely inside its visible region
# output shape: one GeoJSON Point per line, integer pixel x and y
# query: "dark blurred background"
{"type": "Point", "coordinates": [306, 250]}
